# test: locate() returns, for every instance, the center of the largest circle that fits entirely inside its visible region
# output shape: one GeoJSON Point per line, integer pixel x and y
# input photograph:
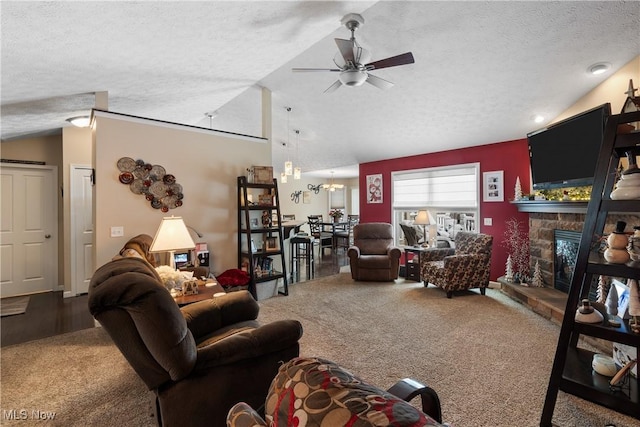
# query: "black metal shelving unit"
{"type": "Point", "coordinates": [250, 211]}
{"type": "Point", "coordinates": [572, 371]}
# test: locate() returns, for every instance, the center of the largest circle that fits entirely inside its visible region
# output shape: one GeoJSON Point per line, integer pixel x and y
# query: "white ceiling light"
{"type": "Point", "coordinates": [80, 121]}
{"type": "Point", "coordinates": [353, 77]}
{"type": "Point", "coordinates": [332, 186]}
{"type": "Point", "coordinates": [599, 68]}
{"type": "Point", "coordinates": [538, 118]}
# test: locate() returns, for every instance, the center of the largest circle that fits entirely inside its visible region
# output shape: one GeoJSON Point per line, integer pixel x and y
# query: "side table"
{"type": "Point", "coordinates": [204, 292]}
{"type": "Point", "coordinates": [412, 266]}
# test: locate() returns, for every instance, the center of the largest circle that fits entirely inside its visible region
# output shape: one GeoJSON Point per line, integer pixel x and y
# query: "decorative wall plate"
{"type": "Point", "coordinates": [152, 181]}
{"type": "Point", "coordinates": [126, 164]}
{"type": "Point", "coordinates": [126, 177]}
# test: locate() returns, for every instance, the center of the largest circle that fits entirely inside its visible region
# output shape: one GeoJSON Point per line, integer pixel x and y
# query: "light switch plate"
{"type": "Point", "coordinates": [117, 231]}
{"type": "Point", "coordinates": [488, 221]}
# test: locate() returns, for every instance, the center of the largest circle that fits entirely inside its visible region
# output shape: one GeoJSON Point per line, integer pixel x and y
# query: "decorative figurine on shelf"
{"type": "Point", "coordinates": [266, 219]}
{"type": "Point", "coordinates": [617, 241]}
{"type": "Point", "coordinates": [628, 187]}
{"type": "Point", "coordinates": [517, 190]}
{"type": "Point", "coordinates": [612, 307]}
{"type": "Point", "coordinates": [604, 284]}
{"type": "Point", "coordinates": [634, 305]}
{"type": "Point", "coordinates": [587, 314]}
{"type": "Point", "coordinates": [634, 244]}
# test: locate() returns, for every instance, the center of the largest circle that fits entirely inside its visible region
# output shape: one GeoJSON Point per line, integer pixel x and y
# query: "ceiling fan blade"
{"type": "Point", "coordinates": [315, 69]}
{"type": "Point", "coordinates": [405, 58]}
{"type": "Point", "coordinates": [346, 49]}
{"type": "Point", "coordinates": [333, 87]}
{"type": "Point", "coordinates": [378, 82]}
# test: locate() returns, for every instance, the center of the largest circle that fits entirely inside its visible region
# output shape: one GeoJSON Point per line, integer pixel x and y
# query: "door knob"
{"type": "Point", "coordinates": [47, 236]}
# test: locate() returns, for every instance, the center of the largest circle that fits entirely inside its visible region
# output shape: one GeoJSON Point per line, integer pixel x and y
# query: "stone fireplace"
{"type": "Point", "coordinates": [543, 228]}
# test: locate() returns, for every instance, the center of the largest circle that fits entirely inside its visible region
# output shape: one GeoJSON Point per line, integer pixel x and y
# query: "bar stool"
{"type": "Point", "coordinates": [301, 248]}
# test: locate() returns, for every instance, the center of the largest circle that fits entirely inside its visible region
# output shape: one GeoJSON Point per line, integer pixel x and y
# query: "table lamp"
{"type": "Point", "coordinates": [172, 235]}
{"type": "Point", "coordinates": [425, 218]}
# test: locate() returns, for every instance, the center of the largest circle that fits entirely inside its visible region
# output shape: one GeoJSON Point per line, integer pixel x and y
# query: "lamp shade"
{"type": "Point", "coordinates": [172, 235]}
{"type": "Point", "coordinates": [424, 217]}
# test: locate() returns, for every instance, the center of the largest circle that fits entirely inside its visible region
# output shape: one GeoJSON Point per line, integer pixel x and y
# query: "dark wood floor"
{"type": "Point", "coordinates": [50, 314]}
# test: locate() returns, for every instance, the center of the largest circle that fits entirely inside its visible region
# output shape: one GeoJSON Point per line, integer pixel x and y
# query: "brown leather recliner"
{"type": "Point", "coordinates": [373, 256]}
{"type": "Point", "coordinates": [199, 360]}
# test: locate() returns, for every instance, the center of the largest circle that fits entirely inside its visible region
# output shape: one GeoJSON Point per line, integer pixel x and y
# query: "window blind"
{"type": "Point", "coordinates": [455, 187]}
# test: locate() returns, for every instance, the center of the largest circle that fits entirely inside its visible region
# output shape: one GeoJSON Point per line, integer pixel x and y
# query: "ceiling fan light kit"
{"type": "Point", "coordinates": [353, 60]}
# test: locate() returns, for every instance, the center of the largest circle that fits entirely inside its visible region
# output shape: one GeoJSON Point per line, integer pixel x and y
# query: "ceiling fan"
{"type": "Point", "coordinates": [353, 60]}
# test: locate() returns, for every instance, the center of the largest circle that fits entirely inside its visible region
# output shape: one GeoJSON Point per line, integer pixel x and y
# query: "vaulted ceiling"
{"type": "Point", "coordinates": [482, 69]}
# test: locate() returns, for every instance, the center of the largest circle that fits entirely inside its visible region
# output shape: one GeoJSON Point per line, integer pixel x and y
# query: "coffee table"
{"type": "Point", "coordinates": [204, 292]}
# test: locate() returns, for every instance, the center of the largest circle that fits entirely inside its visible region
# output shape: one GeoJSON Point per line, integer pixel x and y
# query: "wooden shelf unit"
{"type": "Point", "coordinates": [250, 224]}
{"type": "Point", "coordinates": [572, 372]}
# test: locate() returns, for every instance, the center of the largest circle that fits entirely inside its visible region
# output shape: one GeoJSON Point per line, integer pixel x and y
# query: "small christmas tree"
{"type": "Point", "coordinates": [509, 273]}
{"type": "Point", "coordinates": [604, 284]}
{"type": "Point", "coordinates": [518, 190]}
{"type": "Point", "coordinates": [634, 305]}
{"type": "Point", "coordinates": [536, 280]}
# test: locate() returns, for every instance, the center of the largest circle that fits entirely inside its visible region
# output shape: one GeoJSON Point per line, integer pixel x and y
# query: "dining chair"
{"type": "Point", "coordinates": [344, 237]}
{"type": "Point", "coordinates": [323, 238]}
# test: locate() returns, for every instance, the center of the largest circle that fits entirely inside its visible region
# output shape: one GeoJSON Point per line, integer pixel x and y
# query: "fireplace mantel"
{"type": "Point", "coordinates": [552, 206]}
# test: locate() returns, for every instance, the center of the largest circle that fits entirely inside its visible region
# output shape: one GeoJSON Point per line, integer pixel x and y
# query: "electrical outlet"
{"type": "Point", "coordinates": [117, 231]}
{"type": "Point", "coordinates": [488, 221]}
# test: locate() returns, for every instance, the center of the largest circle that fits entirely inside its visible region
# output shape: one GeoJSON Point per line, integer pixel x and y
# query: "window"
{"type": "Point", "coordinates": [450, 194]}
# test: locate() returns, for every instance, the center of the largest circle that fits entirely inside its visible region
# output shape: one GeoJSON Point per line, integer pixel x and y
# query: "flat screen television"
{"type": "Point", "coordinates": [564, 154]}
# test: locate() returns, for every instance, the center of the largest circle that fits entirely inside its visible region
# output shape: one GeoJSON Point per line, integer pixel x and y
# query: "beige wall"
{"type": "Point", "coordinates": [611, 90]}
{"type": "Point", "coordinates": [204, 163]}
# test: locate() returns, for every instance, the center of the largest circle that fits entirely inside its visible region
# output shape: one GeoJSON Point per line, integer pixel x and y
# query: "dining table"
{"type": "Point", "coordinates": [333, 227]}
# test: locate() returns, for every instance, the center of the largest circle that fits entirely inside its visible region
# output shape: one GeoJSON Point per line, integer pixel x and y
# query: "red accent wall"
{"type": "Point", "coordinates": [512, 157]}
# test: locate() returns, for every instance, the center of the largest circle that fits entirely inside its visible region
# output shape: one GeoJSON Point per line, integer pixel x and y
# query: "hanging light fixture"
{"type": "Point", "coordinates": [297, 171]}
{"type": "Point", "coordinates": [288, 165]}
{"type": "Point", "coordinates": [283, 178]}
{"type": "Point", "coordinates": [332, 186]}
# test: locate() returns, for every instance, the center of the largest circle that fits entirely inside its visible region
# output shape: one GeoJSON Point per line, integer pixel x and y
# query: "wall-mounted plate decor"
{"type": "Point", "coordinates": [152, 181]}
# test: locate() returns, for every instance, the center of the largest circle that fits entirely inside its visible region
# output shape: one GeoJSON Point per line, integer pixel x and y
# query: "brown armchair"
{"type": "Point", "coordinates": [198, 360]}
{"type": "Point", "coordinates": [373, 257]}
{"type": "Point", "coordinates": [465, 267]}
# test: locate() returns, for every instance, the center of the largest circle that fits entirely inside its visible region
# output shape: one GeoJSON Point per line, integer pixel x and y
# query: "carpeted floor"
{"type": "Point", "coordinates": [14, 305]}
{"type": "Point", "coordinates": [487, 357]}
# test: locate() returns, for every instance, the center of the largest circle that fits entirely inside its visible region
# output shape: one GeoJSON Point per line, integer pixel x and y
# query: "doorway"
{"type": "Point", "coordinates": [29, 229]}
{"type": "Point", "coordinates": [81, 223]}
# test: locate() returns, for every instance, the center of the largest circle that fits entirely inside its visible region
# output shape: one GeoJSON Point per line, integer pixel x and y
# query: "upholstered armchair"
{"type": "Point", "coordinates": [373, 256]}
{"type": "Point", "coordinates": [465, 267]}
{"type": "Point", "coordinates": [198, 360]}
{"type": "Point", "coordinates": [318, 392]}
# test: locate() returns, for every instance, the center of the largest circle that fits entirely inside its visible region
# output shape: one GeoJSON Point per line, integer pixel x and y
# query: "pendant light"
{"type": "Point", "coordinates": [288, 165]}
{"type": "Point", "coordinates": [297, 171]}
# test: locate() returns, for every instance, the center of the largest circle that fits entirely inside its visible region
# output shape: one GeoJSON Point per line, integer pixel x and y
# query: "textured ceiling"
{"type": "Point", "coordinates": [482, 69]}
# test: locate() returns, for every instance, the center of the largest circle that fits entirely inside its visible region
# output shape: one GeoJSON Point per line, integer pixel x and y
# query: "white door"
{"type": "Point", "coordinates": [28, 229]}
{"type": "Point", "coordinates": [81, 220]}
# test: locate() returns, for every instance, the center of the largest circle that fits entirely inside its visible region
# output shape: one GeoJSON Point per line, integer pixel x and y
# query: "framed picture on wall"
{"type": "Point", "coordinates": [306, 197]}
{"type": "Point", "coordinates": [493, 185]}
{"type": "Point", "coordinates": [374, 188]}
